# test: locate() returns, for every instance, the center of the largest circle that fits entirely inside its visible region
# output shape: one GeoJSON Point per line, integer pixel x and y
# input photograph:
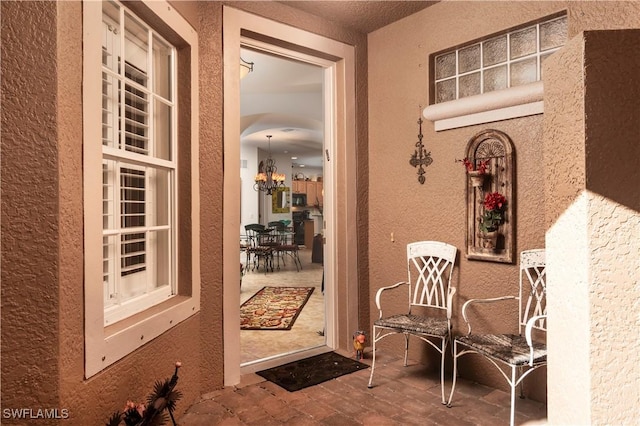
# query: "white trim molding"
{"type": "Point", "coordinates": [513, 102]}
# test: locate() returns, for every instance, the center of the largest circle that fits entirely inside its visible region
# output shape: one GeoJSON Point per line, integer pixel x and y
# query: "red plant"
{"type": "Point", "coordinates": [482, 167]}
{"type": "Point", "coordinates": [494, 201]}
{"type": "Point", "coordinates": [494, 204]}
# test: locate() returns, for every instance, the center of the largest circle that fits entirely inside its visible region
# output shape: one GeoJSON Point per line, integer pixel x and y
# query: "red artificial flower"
{"type": "Point", "coordinates": [494, 201]}
{"type": "Point", "coordinates": [482, 167]}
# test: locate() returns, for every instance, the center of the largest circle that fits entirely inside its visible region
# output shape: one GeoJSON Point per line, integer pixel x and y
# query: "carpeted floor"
{"type": "Point", "coordinates": [311, 371]}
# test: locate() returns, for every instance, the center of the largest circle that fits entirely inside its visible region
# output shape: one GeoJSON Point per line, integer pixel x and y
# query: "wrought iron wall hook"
{"type": "Point", "coordinates": [420, 157]}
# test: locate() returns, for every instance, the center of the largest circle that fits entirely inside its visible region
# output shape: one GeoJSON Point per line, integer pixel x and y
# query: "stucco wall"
{"type": "Point", "coordinates": [42, 233]}
{"type": "Point", "coordinates": [42, 215]}
{"type": "Point", "coordinates": [30, 207]}
{"type": "Point", "coordinates": [593, 212]}
{"type": "Point", "coordinates": [398, 87]}
{"type": "Point", "coordinates": [612, 105]}
{"type": "Point", "coordinates": [42, 337]}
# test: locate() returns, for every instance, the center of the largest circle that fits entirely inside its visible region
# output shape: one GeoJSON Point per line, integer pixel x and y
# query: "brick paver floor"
{"type": "Point", "coordinates": [401, 396]}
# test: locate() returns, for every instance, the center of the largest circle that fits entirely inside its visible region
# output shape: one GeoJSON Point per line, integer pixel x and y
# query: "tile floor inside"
{"type": "Point", "coordinates": [308, 327]}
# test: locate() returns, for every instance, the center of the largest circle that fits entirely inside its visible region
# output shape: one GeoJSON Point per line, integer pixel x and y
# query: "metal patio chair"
{"type": "Point", "coordinates": [514, 355]}
{"type": "Point", "coordinates": [428, 317]}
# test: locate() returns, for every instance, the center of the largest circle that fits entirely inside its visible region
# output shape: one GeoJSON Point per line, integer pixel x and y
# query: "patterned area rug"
{"type": "Point", "coordinates": [273, 308]}
{"type": "Point", "coordinates": [311, 371]}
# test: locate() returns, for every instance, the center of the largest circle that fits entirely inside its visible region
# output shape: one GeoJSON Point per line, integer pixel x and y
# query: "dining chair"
{"type": "Point", "coordinates": [260, 248]}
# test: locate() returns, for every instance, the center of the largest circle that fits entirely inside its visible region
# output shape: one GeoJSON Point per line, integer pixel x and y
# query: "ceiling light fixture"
{"type": "Point", "coordinates": [268, 179]}
{"type": "Point", "coordinates": [245, 68]}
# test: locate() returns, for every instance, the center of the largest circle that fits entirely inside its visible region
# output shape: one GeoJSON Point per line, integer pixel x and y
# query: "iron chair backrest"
{"type": "Point", "coordinates": [431, 263]}
{"type": "Point", "coordinates": [278, 225]}
{"type": "Point", "coordinates": [252, 231]}
{"type": "Point", "coordinates": [533, 289]}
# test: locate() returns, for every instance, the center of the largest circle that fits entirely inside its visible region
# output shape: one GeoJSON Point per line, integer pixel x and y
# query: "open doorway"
{"type": "Point", "coordinates": [339, 178]}
{"type": "Point", "coordinates": [281, 119]}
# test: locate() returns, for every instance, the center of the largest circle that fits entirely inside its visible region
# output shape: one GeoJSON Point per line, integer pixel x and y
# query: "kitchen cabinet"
{"type": "Point", "coordinates": [319, 191]}
{"type": "Point", "coordinates": [311, 188]}
{"type": "Point", "coordinates": [314, 192]}
{"type": "Point", "coordinates": [299, 186]}
{"type": "Point", "coordinates": [311, 193]}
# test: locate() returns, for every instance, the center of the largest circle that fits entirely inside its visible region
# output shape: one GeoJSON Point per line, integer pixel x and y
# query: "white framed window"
{"type": "Point", "coordinates": [500, 74]}
{"type": "Point", "coordinates": [131, 152]}
{"type": "Point", "coordinates": [138, 164]}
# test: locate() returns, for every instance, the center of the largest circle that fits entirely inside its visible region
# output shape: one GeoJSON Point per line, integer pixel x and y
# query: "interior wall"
{"type": "Point", "coordinates": [400, 207]}
{"type": "Point", "coordinates": [248, 199]}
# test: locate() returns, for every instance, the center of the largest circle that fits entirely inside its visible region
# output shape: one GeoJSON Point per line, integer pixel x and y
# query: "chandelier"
{"type": "Point", "coordinates": [268, 179]}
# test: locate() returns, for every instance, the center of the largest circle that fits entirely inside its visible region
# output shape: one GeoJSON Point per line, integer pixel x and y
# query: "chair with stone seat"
{"type": "Point", "coordinates": [428, 316]}
{"type": "Point", "coordinates": [514, 355]}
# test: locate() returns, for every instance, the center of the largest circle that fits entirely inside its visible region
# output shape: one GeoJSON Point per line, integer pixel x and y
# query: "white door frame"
{"type": "Point", "coordinates": [340, 260]}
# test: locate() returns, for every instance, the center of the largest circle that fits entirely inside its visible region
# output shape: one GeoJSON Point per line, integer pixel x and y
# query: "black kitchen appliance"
{"type": "Point", "coordinates": [298, 200]}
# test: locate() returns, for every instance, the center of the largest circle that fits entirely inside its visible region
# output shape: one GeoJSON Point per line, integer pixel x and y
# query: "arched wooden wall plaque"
{"type": "Point", "coordinates": [496, 149]}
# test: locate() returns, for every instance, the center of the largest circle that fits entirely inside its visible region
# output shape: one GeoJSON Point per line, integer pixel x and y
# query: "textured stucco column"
{"type": "Point", "coordinates": [592, 116]}
{"type": "Point", "coordinates": [30, 264]}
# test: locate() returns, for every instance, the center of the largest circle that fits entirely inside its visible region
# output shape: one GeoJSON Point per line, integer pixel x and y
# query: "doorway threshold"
{"type": "Point", "coordinates": [280, 359]}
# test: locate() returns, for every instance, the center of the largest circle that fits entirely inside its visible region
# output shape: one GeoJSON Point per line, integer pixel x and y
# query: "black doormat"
{"type": "Point", "coordinates": [311, 371]}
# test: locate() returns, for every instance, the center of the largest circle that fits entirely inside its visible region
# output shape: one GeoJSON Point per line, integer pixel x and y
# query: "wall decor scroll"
{"type": "Point", "coordinates": [490, 197]}
{"type": "Point", "coordinates": [420, 157]}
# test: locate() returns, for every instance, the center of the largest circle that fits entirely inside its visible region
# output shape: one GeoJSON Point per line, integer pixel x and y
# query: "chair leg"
{"type": "Point", "coordinates": [444, 349]}
{"type": "Point", "coordinates": [373, 360]}
{"type": "Point", "coordinates": [406, 348]}
{"type": "Point", "coordinates": [454, 345]}
{"type": "Point", "coordinates": [520, 370]}
{"type": "Point", "coordinates": [513, 395]}
{"type": "Point", "coordinates": [296, 260]}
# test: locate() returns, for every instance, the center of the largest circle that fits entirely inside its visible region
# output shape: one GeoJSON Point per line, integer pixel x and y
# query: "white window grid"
{"type": "Point", "coordinates": [127, 132]}
{"type": "Point", "coordinates": [539, 56]}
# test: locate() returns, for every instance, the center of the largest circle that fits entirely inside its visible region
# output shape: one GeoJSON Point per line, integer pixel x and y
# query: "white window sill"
{"type": "Point", "coordinates": [503, 104]}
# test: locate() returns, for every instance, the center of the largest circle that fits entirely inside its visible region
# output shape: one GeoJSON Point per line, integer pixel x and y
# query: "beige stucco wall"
{"type": "Point", "coordinates": [42, 215]}
{"type": "Point", "coordinates": [612, 106]}
{"type": "Point", "coordinates": [398, 87]}
{"type": "Point", "coordinates": [42, 234]}
{"type": "Point", "coordinates": [42, 276]}
{"type": "Point", "coordinates": [593, 212]}
{"type": "Point", "coordinates": [30, 206]}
